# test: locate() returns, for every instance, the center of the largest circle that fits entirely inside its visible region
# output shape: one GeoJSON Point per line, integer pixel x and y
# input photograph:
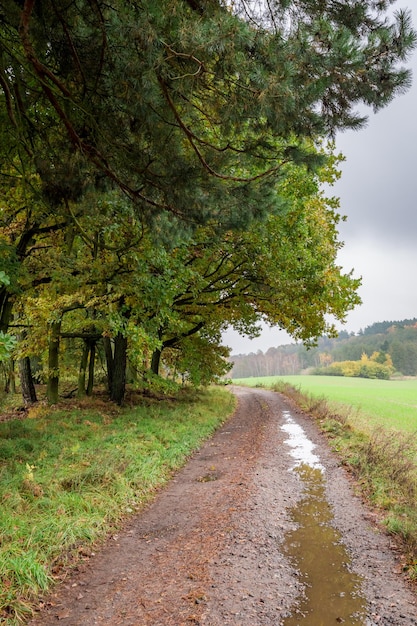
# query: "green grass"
{"type": "Point", "coordinates": [69, 476]}
{"type": "Point", "coordinates": [387, 403]}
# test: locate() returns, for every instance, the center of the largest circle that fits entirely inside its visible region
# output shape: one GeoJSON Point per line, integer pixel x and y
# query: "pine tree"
{"type": "Point", "coordinates": [191, 107]}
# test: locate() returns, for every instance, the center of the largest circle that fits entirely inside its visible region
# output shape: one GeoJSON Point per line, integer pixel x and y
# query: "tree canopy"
{"type": "Point", "coordinates": [160, 169]}
{"type": "Point", "coordinates": [190, 107]}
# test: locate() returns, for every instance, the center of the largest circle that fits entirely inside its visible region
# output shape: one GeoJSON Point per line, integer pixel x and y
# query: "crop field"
{"type": "Point", "coordinates": [387, 403]}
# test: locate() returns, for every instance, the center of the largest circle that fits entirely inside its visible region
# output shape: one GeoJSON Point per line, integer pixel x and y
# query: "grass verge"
{"type": "Point", "coordinates": [69, 475]}
{"type": "Point", "coordinates": [383, 462]}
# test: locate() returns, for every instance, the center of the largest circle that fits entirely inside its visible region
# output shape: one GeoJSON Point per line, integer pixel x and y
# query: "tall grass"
{"type": "Point", "coordinates": [69, 476]}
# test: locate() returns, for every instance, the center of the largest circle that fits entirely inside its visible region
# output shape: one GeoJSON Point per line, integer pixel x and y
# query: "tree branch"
{"type": "Point", "coordinates": [168, 343]}
{"type": "Point", "coordinates": [192, 138]}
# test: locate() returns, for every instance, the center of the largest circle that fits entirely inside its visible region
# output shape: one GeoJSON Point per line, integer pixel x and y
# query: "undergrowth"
{"type": "Point", "coordinates": [70, 475]}
{"type": "Point", "coordinates": [384, 463]}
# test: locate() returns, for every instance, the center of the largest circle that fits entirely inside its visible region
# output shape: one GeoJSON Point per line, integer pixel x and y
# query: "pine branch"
{"type": "Point", "coordinates": [192, 139]}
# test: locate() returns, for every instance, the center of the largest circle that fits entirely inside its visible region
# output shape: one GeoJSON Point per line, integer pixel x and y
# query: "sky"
{"type": "Point", "coordinates": [378, 195]}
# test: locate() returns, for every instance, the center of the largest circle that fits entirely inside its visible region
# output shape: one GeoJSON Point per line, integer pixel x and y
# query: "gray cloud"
{"type": "Point", "coordinates": [378, 188]}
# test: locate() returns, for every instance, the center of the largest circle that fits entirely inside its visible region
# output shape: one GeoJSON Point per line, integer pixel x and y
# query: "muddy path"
{"type": "Point", "coordinates": [219, 545]}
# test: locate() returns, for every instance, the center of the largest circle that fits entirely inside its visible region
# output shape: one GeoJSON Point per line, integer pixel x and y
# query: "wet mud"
{"type": "Point", "coordinates": [238, 550]}
{"type": "Point", "coordinates": [331, 591]}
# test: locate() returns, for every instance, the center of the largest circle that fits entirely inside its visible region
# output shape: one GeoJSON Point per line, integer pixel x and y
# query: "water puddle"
{"type": "Point", "coordinates": [301, 447]}
{"type": "Point", "coordinates": [331, 591]}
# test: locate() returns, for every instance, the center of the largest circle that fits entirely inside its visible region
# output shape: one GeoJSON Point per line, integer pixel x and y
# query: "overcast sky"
{"type": "Point", "coordinates": [378, 194]}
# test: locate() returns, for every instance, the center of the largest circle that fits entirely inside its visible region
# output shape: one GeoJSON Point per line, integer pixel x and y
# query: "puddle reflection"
{"type": "Point", "coordinates": [301, 447]}
{"type": "Point", "coordinates": [332, 592]}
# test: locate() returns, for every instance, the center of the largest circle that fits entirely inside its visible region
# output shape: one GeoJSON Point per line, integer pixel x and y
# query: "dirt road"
{"type": "Point", "coordinates": [215, 547]}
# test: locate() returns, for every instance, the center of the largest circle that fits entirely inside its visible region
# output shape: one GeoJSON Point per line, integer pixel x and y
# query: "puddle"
{"type": "Point", "coordinates": [331, 592]}
{"type": "Point", "coordinates": [301, 447]}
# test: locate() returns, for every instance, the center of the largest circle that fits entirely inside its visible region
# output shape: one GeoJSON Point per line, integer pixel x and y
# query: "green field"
{"type": "Point", "coordinates": [389, 403]}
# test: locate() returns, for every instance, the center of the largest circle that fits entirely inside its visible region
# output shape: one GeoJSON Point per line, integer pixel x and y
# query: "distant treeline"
{"type": "Point", "coordinates": [398, 339]}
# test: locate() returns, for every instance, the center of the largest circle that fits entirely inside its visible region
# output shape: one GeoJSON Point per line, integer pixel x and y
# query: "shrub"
{"type": "Point", "coordinates": [360, 369]}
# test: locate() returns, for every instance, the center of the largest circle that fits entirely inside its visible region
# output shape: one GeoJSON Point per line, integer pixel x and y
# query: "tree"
{"type": "Point", "coordinates": [201, 359]}
{"type": "Point", "coordinates": [27, 221]}
{"type": "Point", "coordinates": [283, 272]}
{"type": "Point", "coordinates": [404, 356]}
{"type": "Point", "coordinates": [198, 113]}
{"type": "Point", "coordinates": [116, 281]}
{"type": "Point", "coordinates": [26, 381]}
{"type": "Point", "coordinates": [7, 345]}
{"type": "Point", "coordinates": [192, 107]}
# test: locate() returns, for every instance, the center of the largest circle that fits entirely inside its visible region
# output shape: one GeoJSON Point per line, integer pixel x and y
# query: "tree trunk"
{"type": "Point", "coordinates": [53, 363]}
{"type": "Point", "coordinates": [156, 360]}
{"type": "Point", "coordinates": [12, 383]}
{"type": "Point", "coordinates": [118, 388]}
{"type": "Point", "coordinates": [6, 308]}
{"type": "Point", "coordinates": [26, 382]}
{"type": "Point", "coordinates": [6, 375]}
{"type": "Point", "coordinates": [92, 349]}
{"type": "Point", "coordinates": [9, 376]}
{"type": "Point", "coordinates": [82, 371]}
{"type": "Point", "coordinates": [108, 351]}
